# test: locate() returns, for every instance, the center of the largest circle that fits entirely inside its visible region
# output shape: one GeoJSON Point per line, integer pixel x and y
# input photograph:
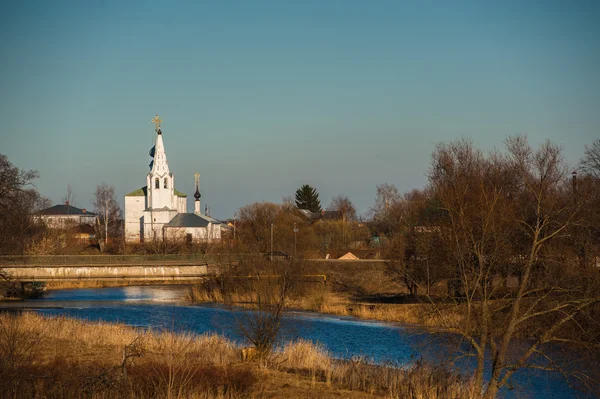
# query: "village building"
{"type": "Point", "coordinates": [158, 211]}
{"type": "Point", "coordinates": [65, 216]}
{"type": "Point", "coordinates": [79, 224]}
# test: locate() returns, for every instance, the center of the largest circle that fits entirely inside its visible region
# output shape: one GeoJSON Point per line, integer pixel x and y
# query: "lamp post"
{"type": "Point", "coordinates": [295, 241]}
{"type": "Point", "coordinates": [271, 242]}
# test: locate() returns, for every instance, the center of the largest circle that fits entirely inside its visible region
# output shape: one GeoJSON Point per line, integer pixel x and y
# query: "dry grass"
{"type": "Point", "coordinates": [324, 301]}
{"type": "Point", "coordinates": [417, 382]}
{"type": "Point", "coordinates": [61, 357]}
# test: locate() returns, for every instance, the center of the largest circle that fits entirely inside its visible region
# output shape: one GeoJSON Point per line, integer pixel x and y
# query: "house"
{"type": "Point", "coordinates": [65, 216]}
{"type": "Point", "coordinates": [312, 217]}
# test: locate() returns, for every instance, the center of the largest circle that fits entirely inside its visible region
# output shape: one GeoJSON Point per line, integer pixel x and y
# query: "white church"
{"type": "Point", "coordinates": [157, 211]}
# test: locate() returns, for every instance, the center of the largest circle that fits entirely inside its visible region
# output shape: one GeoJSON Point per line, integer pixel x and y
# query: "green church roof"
{"type": "Point", "coordinates": [142, 192]}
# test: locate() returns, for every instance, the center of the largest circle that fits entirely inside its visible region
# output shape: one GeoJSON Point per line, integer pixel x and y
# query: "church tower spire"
{"type": "Point", "coordinates": [197, 194]}
{"type": "Point", "coordinates": [160, 180]}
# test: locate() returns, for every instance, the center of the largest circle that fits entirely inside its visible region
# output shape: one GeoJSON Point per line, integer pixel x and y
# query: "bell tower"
{"type": "Point", "coordinates": [160, 181]}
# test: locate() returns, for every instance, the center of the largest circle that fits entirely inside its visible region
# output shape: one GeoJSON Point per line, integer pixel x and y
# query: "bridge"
{"type": "Point", "coordinates": [178, 267]}
{"type": "Point", "coordinates": [109, 267]}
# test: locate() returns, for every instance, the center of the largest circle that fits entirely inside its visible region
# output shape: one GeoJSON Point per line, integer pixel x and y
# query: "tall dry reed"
{"type": "Point", "coordinates": [58, 357]}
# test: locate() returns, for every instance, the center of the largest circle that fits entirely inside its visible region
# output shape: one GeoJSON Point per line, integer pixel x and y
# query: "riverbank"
{"type": "Point", "coordinates": [62, 357]}
{"type": "Point", "coordinates": [79, 284]}
{"type": "Point", "coordinates": [327, 301]}
{"type": "Point", "coordinates": [71, 284]}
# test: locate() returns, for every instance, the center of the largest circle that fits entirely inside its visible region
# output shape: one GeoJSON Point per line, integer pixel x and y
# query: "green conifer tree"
{"type": "Point", "coordinates": [308, 198]}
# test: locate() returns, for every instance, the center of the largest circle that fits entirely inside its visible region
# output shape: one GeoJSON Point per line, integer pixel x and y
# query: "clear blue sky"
{"type": "Point", "coordinates": [262, 97]}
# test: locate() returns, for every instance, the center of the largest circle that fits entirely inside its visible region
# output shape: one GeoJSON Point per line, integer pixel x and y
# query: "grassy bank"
{"type": "Point", "coordinates": [326, 300]}
{"type": "Point", "coordinates": [66, 358]}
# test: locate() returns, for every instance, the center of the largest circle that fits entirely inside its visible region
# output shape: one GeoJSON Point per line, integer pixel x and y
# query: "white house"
{"type": "Point", "coordinates": [159, 211]}
{"type": "Point", "coordinates": [63, 216]}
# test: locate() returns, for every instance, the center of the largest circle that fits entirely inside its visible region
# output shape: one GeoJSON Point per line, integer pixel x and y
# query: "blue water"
{"type": "Point", "coordinates": [161, 307]}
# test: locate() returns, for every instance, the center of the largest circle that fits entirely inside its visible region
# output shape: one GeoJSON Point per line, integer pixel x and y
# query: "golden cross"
{"type": "Point", "coordinates": [156, 122]}
{"type": "Point", "coordinates": [197, 176]}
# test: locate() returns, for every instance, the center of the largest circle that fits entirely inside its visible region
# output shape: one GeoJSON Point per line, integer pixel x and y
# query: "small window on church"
{"type": "Point", "coordinates": [166, 183]}
{"type": "Point", "coordinates": [157, 183]}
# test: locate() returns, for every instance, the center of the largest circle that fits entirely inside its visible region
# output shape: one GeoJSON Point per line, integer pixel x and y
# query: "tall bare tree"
{"type": "Point", "coordinates": [254, 228]}
{"type": "Point", "coordinates": [267, 287]}
{"type": "Point", "coordinates": [417, 254]}
{"type": "Point", "coordinates": [590, 163]}
{"type": "Point", "coordinates": [344, 206]}
{"type": "Point", "coordinates": [255, 223]}
{"type": "Point", "coordinates": [109, 212]}
{"type": "Point", "coordinates": [387, 212]}
{"type": "Point", "coordinates": [19, 199]}
{"type": "Point", "coordinates": [506, 212]}
{"type": "Point", "coordinates": [69, 197]}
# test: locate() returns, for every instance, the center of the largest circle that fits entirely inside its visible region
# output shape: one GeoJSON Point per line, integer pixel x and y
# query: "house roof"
{"type": "Point", "coordinates": [191, 220]}
{"type": "Point", "coordinates": [65, 210]}
{"type": "Point", "coordinates": [142, 192]}
{"type": "Point", "coordinates": [349, 256]}
{"type": "Point", "coordinates": [306, 214]}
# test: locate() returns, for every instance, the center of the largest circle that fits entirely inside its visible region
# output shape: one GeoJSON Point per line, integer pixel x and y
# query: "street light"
{"type": "Point", "coordinates": [295, 241]}
{"type": "Point", "coordinates": [271, 242]}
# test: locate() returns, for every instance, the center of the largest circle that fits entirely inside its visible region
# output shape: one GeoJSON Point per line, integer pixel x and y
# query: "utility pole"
{"type": "Point", "coordinates": [234, 216]}
{"type": "Point", "coordinates": [271, 242]}
{"type": "Point", "coordinates": [106, 219]}
{"type": "Point", "coordinates": [295, 241]}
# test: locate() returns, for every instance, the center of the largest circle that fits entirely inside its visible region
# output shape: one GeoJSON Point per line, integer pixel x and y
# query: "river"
{"type": "Point", "coordinates": [162, 307]}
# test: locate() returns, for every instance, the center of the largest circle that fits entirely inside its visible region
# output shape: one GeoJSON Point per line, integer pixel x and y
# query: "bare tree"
{"type": "Point", "coordinates": [69, 197]}
{"type": "Point", "coordinates": [344, 206]}
{"type": "Point", "coordinates": [267, 287]}
{"type": "Point", "coordinates": [108, 209]}
{"type": "Point", "coordinates": [504, 212]}
{"type": "Point", "coordinates": [387, 212]}
{"type": "Point", "coordinates": [416, 252]}
{"type": "Point", "coordinates": [255, 224]}
{"type": "Point", "coordinates": [18, 201]}
{"type": "Point", "coordinates": [590, 163]}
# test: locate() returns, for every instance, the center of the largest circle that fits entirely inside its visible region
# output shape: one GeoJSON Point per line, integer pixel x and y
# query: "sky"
{"type": "Point", "coordinates": [261, 97]}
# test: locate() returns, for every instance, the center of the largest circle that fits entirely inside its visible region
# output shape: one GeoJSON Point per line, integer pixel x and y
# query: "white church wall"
{"type": "Point", "coordinates": [181, 204]}
{"type": "Point", "coordinates": [154, 221]}
{"type": "Point", "coordinates": [134, 210]}
{"type": "Point", "coordinates": [198, 234]}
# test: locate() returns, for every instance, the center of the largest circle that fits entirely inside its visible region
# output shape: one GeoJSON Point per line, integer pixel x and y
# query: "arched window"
{"type": "Point", "coordinates": [166, 183]}
{"type": "Point", "coordinates": [157, 183]}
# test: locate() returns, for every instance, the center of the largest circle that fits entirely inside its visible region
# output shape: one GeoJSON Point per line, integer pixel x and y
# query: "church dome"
{"type": "Point", "coordinates": [197, 194]}
{"type": "Point", "coordinates": [152, 150]}
{"type": "Point", "coordinates": [151, 164]}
